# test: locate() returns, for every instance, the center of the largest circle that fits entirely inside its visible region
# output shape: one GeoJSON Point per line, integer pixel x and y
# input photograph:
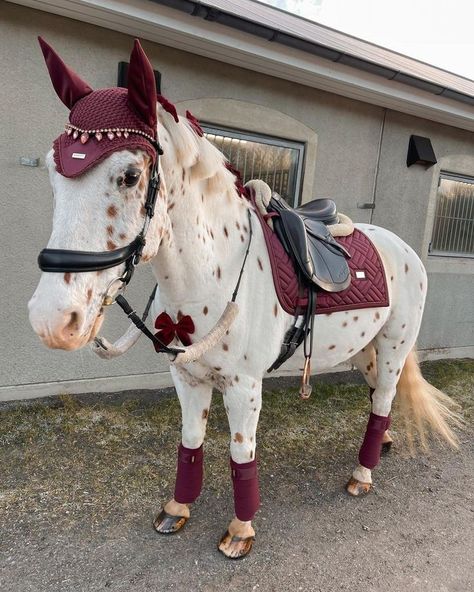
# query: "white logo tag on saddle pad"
{"type": "Point", "coordinates": [79, 155]}
{"type": "Point", "coordinates": [360, 275]}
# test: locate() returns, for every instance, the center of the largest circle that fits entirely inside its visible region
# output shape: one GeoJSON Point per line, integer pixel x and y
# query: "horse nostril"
{"type": "Point", "coordinates": [72, 324]}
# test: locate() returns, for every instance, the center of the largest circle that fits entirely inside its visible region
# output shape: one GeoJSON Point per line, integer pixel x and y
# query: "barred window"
{"type": "Point", "coordinates": [453, 229]}
{"type": "Point", "coordinates": [276, 161]}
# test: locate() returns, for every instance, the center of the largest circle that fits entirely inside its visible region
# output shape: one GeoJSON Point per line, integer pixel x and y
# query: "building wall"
{"type": "Point", "coordinates": [348, 150]}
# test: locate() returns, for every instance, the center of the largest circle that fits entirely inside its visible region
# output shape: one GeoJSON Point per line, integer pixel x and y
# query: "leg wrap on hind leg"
{"type": "Point", "coordinates": [246, 493]}
{"type": "Point", "coordinates": [188, 474]}
{"type": "Point", "coordinates": [369, 454]}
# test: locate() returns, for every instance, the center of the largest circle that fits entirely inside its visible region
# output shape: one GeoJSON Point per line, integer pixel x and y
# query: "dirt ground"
{"type": "Point", "coordinates": [82, 478]}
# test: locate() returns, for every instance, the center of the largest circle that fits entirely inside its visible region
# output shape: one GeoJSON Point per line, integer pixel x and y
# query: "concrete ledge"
{"type": "Point", "coordinates": [161, 380]}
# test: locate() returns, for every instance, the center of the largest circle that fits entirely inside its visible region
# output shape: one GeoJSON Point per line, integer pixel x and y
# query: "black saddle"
{"type": "Point", "coordinates": [321, 263]}
{"type": "Point", "coordinates": [304, 234]}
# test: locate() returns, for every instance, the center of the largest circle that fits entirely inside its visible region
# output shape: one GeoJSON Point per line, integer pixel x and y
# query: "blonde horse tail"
{"type": "Point", "coordinates": [425, 409]}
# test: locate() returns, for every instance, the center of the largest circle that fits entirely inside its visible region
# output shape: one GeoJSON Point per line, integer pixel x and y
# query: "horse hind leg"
{"type": "Point", "coordinates": [391, 348]}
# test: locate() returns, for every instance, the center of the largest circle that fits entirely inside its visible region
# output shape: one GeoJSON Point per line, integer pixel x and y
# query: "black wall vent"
{"type": "Point", "coordinates": [420, 151]}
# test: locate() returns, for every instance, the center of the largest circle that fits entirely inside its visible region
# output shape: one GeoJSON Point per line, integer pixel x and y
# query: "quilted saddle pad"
{"type": "Point", "coordinates": [368, 288]}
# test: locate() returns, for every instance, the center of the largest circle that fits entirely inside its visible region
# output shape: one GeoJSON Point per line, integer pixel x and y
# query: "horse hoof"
{"type": "Point", "coordinates": [386, 447]}
{"type": "Point", "coordinates": [165, 523]}
{"type": "Point", "coordinates": [356, 488]}
{"type": "Point", "coordinates": [235, 547]}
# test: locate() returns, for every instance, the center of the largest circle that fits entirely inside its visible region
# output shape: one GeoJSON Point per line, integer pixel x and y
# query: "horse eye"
{"type": "Point", "coordinates": [131, 178]}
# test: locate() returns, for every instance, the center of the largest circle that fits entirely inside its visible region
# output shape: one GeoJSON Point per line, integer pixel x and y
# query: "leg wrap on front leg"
{"type": "Point", "coordinates": [369, 454]}
{"type": "Point", "coordinates": [188, 474]}
{"type": "Point", "coordinates": [246, 493]}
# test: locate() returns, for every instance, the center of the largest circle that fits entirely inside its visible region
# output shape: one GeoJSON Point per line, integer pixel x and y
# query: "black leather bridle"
{"type": "Point", "coordinates": [71, 261]}
{"type": "Point", "coordinates": [68, 260]}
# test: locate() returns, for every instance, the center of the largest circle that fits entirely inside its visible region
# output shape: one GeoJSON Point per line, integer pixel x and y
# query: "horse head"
{"type": "Point", "coordinates": [100, 170]}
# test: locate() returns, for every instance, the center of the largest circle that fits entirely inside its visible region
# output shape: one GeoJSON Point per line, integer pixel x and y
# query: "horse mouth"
{"type": "Point", "coordinates": [52, 341]}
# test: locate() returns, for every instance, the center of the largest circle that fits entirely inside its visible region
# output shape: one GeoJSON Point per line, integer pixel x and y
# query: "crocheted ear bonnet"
{"type": "Point", "coordinates": [106, 120]}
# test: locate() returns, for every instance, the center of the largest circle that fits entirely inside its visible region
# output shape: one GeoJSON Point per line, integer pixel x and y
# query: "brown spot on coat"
{"type": "Point", "coordinates": [362, 334]}
{"type": "Point", "coordinates": [217, 368]}
{"type": "Point", "coordinates": [251, 455]}
{"type": "Point", "coordinates": [242, 238]}
{"type": "Point", "coordinates": [355, 318]}
{"type": "Point", "coordinates": [218, 271]}
{"type": "Point", "coordinates": [344, 324]}
{"type": "Point", "coordinates": [275, 309]}
{"type": "Point", "coordinates": [236, 378]}
{"type": "Point", "coordinates": [110, 230]}
{"type": "Point", "coordinates": [122, 236]}
{"type": "Point", "coordinates": [226, 232]}
{"type": "Point", "coordinates": [112, 211]}
{"type": "Point", "coordinates": [332, 347]}
{"type": "Point", "coordinates": [377, 315]}
{"type": "Point", "coordinates": [67, 278]}
{"type": "Point", "coordinates": [238, 437]}
{"type": "Point", "coordinates": [238, 225]}
{"type": "Point", "coordinates": [351, 350]}
{"type": "Point", "coordinates": [111, 245]}
{"type": "Point", "coordinates": [205, 310]}
{"type": "Point", "coordinates": [259, 263]}
{"type": "Point", "coordinates": [225, 347]}
{"type": "Point", "coordinates": [406, 268]}
{"type": "Point", "coordinates": [89, 295]}
{"type": "Point", "coordinates": [205, 413]}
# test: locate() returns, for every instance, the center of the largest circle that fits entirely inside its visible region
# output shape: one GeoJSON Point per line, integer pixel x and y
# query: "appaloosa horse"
{"type": "Point", "coordinates": [105, 171]}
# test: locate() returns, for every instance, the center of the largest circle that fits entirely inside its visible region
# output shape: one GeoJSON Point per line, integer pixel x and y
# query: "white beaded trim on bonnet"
{"type": "Point", "coordinates": [111, 133]}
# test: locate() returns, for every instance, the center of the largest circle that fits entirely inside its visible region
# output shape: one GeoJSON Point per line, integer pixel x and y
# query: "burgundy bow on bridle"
{"type": "Point", "coordinates": [167, 330]}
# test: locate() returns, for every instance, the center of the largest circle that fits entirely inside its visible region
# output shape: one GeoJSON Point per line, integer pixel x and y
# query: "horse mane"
{"type": "Point", "coordinates": [194, 152]}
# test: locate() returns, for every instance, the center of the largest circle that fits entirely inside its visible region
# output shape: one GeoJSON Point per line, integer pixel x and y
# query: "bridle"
{"type": "Point", "coordinates": [71, 261]}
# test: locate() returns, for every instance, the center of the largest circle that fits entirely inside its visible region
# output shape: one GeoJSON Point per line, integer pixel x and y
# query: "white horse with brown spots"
{"type": "Point", "coordinates": [196, 244]}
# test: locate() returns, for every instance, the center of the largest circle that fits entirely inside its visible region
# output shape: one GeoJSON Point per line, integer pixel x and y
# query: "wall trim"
{"type": "Point", "coordinates": [159, 380]}
{"type": "Point", "coordinates": [170, 27]}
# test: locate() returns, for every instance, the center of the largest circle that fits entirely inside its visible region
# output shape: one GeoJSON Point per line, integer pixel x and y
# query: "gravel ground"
{"type": "Point", "coordinates": [81, 482]}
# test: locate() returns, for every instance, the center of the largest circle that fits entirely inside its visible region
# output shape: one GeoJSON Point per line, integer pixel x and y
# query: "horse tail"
{"type": "Point", "coordinates": [424, 408]}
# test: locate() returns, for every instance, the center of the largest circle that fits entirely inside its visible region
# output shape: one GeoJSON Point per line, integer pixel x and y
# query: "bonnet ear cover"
{"type": "Point", "coordinates": [68, 85]}
{"type": "Point", "coordinates": [142, 86]}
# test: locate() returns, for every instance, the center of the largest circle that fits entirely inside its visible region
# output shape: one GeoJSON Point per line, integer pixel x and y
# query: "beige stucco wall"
{"type": "Point", "coordinates": [344, 137]}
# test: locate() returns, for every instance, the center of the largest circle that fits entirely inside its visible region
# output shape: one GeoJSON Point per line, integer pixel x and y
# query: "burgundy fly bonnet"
{"type": "Point", "coordinates": [106, 120]}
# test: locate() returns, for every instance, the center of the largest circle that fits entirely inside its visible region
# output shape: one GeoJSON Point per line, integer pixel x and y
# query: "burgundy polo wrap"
{"type": "Point", "coordinates": [246, 492]}
{"type": "Point", "coordinates": [189, 474]}
{"type": "Point", "coordinates": [369, 454]}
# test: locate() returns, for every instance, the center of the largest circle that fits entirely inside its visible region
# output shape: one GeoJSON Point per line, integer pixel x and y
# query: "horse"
{"type": "Point", "coordinates": [201, 233]}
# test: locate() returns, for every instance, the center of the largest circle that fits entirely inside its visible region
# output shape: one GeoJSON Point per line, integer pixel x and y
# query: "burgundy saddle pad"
{"type": "Point", "coordinates": [368, 288]}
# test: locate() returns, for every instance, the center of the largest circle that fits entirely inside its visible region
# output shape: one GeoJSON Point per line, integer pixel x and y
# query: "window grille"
{"type": "Point", "coordinates": [453, 229]}
{"type": "Point", "coordinates": [277, 162]}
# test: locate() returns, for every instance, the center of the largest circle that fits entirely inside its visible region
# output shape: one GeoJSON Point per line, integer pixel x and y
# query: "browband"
{"type": "Point", "coordinates": [66, 260]}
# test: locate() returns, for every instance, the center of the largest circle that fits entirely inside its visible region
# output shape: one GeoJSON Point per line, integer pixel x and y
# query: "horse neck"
{"type": "Point", "coordinates": [207, 239]}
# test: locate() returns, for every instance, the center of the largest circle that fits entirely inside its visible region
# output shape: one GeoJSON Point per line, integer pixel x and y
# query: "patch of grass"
{"type": "Point", "coordinates": [62, 462]}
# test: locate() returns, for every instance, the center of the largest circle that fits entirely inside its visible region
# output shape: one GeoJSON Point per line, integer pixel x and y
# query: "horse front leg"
{"type": "Point", "coordinates": [242, 400]}
{"type": "Point", "coordinates": [195, 399]}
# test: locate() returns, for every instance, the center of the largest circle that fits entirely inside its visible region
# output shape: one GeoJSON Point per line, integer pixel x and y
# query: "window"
{"type": "Point", "coordinates": [277, 162]}
{"type": "Point", "coordinates": [453, 229]}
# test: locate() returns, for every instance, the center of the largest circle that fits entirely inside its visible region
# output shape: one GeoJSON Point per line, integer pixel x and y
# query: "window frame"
{"type": "Point", "coordinates": [449, 176]}
{"type": "Point", "coordinates": [251, 136]}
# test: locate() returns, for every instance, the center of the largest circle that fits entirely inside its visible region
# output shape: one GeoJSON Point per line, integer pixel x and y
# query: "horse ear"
{"type": "Point", "coordinates": [142, 86]}
{"type": "Point", "coordinates": [68, 85]}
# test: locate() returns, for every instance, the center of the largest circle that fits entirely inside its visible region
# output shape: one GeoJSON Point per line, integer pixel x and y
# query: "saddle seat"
{"type": "Point", "coordinates": [324, 210]}
{"type": "Point", "coordinates": [304, 234]}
